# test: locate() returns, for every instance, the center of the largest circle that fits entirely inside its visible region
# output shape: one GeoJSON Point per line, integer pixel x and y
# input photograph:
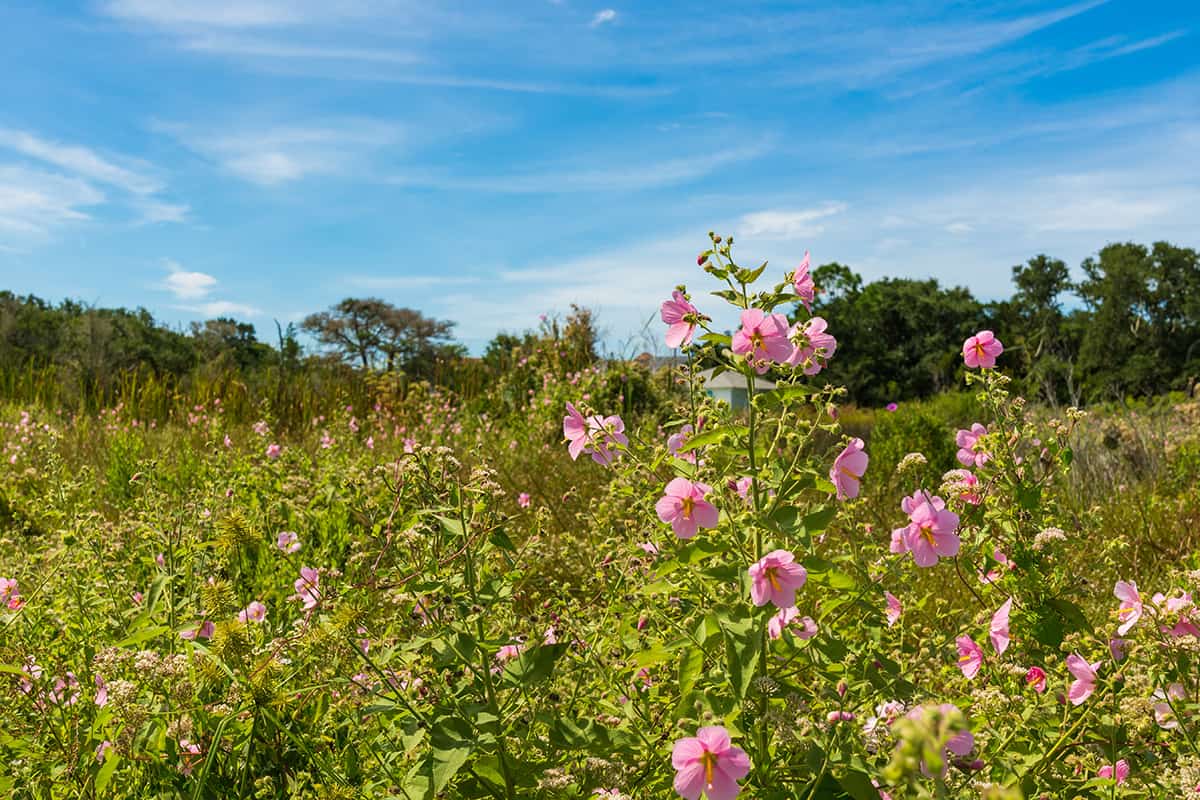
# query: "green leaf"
{"type": "Point", "coordinates": [691, 664]}
{"type": "Point", "coordinates": [703, 439]}
{"type": "Point", "coordinates": [452, 740]}
{"type": "Point", "coordinates": [534, 665]}
{"type": "Point", "coordinates": [858, 785]}
{"type": "Point", "coordinates": [144, 635]}
{"type": "Point", "coordinates": [741, 654]}
{"type": "Point", "coordinates": [819, 520]}
{"type": "Point", "coordinates": [104, 775]}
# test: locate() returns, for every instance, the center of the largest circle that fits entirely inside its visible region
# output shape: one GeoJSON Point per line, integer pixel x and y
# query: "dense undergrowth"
{"type": "Point", "coordinates": [414, 596]}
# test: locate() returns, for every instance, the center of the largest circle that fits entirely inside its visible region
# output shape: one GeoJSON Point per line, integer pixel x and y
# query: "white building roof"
{"type": "Point", "coordinates": [732, 380]}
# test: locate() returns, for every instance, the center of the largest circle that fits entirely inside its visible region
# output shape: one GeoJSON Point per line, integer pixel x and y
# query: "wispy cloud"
{"type": "Point", "coordinates": [570, 178]}
{"type": "Point", "coordinates": [789, 223]}
{"type": "Point", "coordinates": [603, 17]}
{"type": "Point", "coordinates": [221, 308]}
{"type": "Point", "coordinates": [35, 202]}
{"type": "Point", "coordinates": [278, 154]}
{"type": "Point", "coordinates": [81, 161]}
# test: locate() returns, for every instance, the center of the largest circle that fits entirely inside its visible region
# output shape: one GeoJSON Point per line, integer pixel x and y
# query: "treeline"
{"type": "Point", "coordinates": [1131, 326]}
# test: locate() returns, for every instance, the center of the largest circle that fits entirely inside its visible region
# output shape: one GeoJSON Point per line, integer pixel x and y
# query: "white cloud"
{"type": "Point", "coordinates": [221, 308]}
{"type": "Point", "coordinates": [789, 224]}
{"type": "Point", "coordinates": [34, 202]}
{"type": "Point", "coordinates": [214, 13]}
{"type": "Point", "coordinates": [603, 17]}
{"type": "Point", "coordinates": [624, 177]}
{"type": "Point", "coordinates": [277, 154]}
{"type": "Point", "coordinates": [52, 182]}
{"type": "Point", "coordinates": [187, 285]}
{"type": "Point", "coordinates": [81, 161]}
{"type": "Point", "coordinates": [959, 227]}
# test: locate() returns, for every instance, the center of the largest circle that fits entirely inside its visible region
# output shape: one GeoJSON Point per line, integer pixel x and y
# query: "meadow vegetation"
{"type": "Point", "coordinates": [407, 574]}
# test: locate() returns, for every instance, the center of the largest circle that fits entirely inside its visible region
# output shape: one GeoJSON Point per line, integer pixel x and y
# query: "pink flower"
{"type": "Point", "coordinates": [1085, 678]}
{"type": "Point", "coordinates": [812, 346]}
{"type": "Point", "coordinates": [523, 499]}
{"type": "Point", "coordinates": [508, 652]}
{"type": "Point", "coordinates": [981, 350]}
{"type": "Point", "coordinates": [682, 317]}
{"type": "Point", "coordinates": [964, 483]}
{"type": "Point", "coordinates": [255, 612]}
{"type": "Point", "coordinates": [891, 407]}
{"type": "Point", "coordinates": [970, 656]}
{"type": "Point", "coordinates": [189, 756]}
{"type": "Point", "coordinates": [8, 590]}
{"type": "Point", "coordinates": [649, 547]}
{"type": "Point", "coordinates": [931, 529]}
{"type": "Point", "coordinates": [848, 469]}
{"type": "Point", "coordinates": [1120, 771]}
{"type": "Point", "coordinates": [775, 579]}
{"type": "Point", "coordinates": [894, 609]}
{"type": "Point", "coordinates": [970, 451]}
{"type": "Point", "coordinates": [802, 282]}
{"type": "Point", "coordinates": [102, 749]}
{"type": "Point", "coordinates": [288, 542]}
{"type": "Point", "coordinates": [595, 435]}
{"type": "Point", "coordinates": [742, 487]}
{"type": "Point", "coordinates": [960, 744]}
{"type": "Point", "coordinates": [709, 764]}
{"type": "Point", "coordinates": [1164, 714]}
{"type": "Point", "coordinates": [308, 587]}
{"type": "Point", "coordinates": [839, 716]}
{"type": "Point", "coordinates": [998, 630]}
{"type": "Point", "coordinates": [1131, 605]}
{"type": "Point", "coordinates": [762, 338]}
{"type": "Point", "coordinates": [789, 619]}
{"type": "Point", "coordinates": [202, 631]}
{"type": "Point", "coordinates": [1036, 677]}
{"type": "Point", "coordinates": [273, 451]}
{"type": "Point", "coordinates": [101, 692]}
{"type": "Point", "coordinates": [683, 505]}
{"type": "Point", "coordinates": [1118, 647]}
{"type": "Point", "coordinates": [677, 440]}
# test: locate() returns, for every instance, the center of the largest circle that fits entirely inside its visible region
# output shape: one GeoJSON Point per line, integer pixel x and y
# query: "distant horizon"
{"type": "Point", "coordinates": [490, 163]}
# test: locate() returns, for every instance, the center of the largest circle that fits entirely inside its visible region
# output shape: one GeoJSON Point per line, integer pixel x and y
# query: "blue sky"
{"type": "Point", "coordinates": [488, 162]}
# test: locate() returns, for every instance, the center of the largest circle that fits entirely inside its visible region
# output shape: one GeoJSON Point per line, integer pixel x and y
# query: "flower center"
{"type": "Point", "coordinates": [849, 474]}
{"type": "Point", "coordinates": [773, 579]}
{"type": "Point", "coordinates": [687, 505]}
{"type": "Point", "coordinates": [710, 761]}
{"type": "Point", "coordinates": [979, 350]}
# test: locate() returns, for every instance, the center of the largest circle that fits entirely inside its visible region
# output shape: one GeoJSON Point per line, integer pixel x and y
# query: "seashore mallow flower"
{"type": "Point", "coordinates": [308, 587]}
{"type": "Point", "coordinates": [931, 531]}
{"type": "Point", "coordinates": [894, 608]}
{"type": "Point", "coordinates": [775, 579]}
{"type": "Point", "coordinates": [1085, 678]}
{"type": "Point", "coordinates": [970, 450]}
{"type": "Point", "coordinates": [683, 505]}
{"type": "Point", "coordinates": [1118, 772]}
{"type": "Point", "coordinates": [1036, 677]}
{"type": "Point", "coordinates": [709, 764]}
{"type": "Point", "coordinates": [970, 656]}
{"type": "Point", "coordinates": [998, 629]}
{"type": "Point", "coordinates": [1131, 605]}
{"type": "Point", "coordinates": [682, 318]}
{"type": "Point", "coordinates": [762, 338]}
{"type": "Point", "coordinates": [254, 612]}
{"type": "Point", "coordinates": [790, 619]}
{"type": "Point", "coordinates": [848, 469]}
{"type": "Point", "coordinates": [981, 350]}
{"type": "Point", "coordinates": [812, 347]}
{"type": "Point", "coordinates": [595, 435]}
{"type": "Point", "coordinates": [802, 282]}
{"type": "Point", "coordinates": [1164, 712]}
{"type": "Point", "coordinates": [288, 542]}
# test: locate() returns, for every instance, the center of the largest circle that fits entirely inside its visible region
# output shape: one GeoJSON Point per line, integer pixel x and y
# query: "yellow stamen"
{"type": "Point", "coordinates": [979, 350]}
{"type": "Point", "coordinates": [686, 506]}
{"type": "Point", "coordinates": [849, 474]}
{"type": "Point", "coordinates": [774, 581]}
{"type": "Point", "coordinates": [710, 761]}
